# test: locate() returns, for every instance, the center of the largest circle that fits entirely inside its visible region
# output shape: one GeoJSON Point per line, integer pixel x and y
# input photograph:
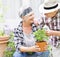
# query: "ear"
{"type": "Point", "coordinates": [22, 17]}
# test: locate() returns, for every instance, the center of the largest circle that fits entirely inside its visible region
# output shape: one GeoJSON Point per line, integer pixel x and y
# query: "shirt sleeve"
{"type": "Point", "coordinates": [17, 38]}
{"type": "Point", "coordinates": [39, 23]}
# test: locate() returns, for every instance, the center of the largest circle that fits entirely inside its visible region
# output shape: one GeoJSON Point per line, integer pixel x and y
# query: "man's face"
{"type": "Point", "coordinates": [51, 14]}
{"type": "Point", "coordinates": [29, 18]}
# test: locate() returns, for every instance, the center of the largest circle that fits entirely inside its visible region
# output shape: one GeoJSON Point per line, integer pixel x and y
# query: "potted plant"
{"type": "Point", "coordinates": [3, 42]}
{"type": "Point", "coordinates": [41, 38]}
{"type": "Point", "coordinates": [10, 46]}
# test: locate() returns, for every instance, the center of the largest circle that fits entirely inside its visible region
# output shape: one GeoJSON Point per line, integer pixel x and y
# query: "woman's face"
{"type": "Point", "coordinates": [29, 18]}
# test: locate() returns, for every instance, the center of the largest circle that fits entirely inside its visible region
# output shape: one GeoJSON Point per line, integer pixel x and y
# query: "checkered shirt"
{"type": "Point", "coordinates": [19, 36]}
{"type": "Point", "coordinates": [54, 24]}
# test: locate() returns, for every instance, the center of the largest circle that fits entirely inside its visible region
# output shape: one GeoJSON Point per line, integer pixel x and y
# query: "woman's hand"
{"type": "Point", "coordinates": [46, 47]}
{"type": "Point", "coordinates": [35, 48]}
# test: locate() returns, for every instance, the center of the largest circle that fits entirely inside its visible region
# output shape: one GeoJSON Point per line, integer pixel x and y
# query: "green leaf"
{"type": "Point", "coordinates": [40, 35]}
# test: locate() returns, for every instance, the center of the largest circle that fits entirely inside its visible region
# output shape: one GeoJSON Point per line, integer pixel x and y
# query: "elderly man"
{"type": "Point", "coordinates": [51, 21]}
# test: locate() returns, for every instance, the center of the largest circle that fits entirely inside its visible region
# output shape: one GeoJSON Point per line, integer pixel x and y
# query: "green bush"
{"type": "Point", "coordinates": [10, 47]}
{"type": "Point", "coordinates": [1, 32]}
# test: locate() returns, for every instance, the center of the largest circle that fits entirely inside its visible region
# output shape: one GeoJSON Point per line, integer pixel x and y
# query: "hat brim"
{"type": "Point", "coordinates": [42, 10]}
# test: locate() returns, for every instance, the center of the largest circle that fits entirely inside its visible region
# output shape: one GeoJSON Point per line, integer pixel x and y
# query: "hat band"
{"type": "Point", "coordinates": [47, 8]}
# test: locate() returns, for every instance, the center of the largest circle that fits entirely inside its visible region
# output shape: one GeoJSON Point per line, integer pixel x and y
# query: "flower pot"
{"type": "Point", "coordinates": [3, 44]}
{"type": "Point", "coordinates": [41, 45]}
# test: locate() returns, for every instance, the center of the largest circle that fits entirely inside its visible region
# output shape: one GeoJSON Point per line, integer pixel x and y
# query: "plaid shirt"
{"type": "Point", "coordinates": [54, 24]}
{"type": "Point", "coordinates": [19, 36]}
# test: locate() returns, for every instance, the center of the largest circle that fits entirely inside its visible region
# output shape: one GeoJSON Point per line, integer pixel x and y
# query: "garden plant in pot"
{"type": "Point", "coordinates": [10, 46]}
{"type": "Point", "coordinates": [3, 42]}
{"type": "Point", "coordinates": [41, 38]}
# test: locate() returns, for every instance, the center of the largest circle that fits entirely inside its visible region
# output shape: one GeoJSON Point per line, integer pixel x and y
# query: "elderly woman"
{"type": "Point", "coordinates": [24, 38]}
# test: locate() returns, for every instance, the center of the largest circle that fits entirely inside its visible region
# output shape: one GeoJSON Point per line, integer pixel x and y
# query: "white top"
{"type": "Point", "coordinates": [29, 40]}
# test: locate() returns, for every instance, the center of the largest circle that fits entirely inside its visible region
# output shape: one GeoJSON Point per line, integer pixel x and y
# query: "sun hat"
{"type": "Point", "coordinates": [49, 6]}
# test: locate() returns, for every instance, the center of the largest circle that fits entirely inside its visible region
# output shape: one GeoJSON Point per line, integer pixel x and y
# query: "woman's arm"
{"type": "Point", "coordinates": [29, 49]}
{"type": "Point", "coordinates": [18, 45]}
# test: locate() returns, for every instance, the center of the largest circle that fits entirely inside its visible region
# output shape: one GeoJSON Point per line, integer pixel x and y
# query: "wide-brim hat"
{"type": "Point", "coordinates": [49, 6]}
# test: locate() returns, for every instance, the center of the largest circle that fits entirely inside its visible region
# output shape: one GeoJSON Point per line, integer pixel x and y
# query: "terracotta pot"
{"type": "Point", "coordinates": [42, 45]}
{"type": "Point", "coordinates": [3, 44]}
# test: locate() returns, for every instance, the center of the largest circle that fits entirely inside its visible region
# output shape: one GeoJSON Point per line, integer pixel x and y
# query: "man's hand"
{"type": "Point", "coordinates": [52, 33]}
{"type": "Point", "coordinates": [48, 32]}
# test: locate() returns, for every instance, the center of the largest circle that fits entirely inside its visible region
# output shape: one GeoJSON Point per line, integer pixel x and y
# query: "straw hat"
{"type": "Point", "coordinates": [49, 6]}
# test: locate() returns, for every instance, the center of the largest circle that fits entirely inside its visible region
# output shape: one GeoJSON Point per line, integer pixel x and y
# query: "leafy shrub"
{"type": "Point", "coordinates": [10, 47]}
{"type": "Point", "coordinates": [40, 35]}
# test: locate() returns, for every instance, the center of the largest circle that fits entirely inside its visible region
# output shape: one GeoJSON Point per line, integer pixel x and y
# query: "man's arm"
{"type": "Point", "coordinates": [53, 33]}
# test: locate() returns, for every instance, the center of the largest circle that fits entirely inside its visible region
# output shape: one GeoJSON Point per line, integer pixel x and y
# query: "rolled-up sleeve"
{"type": "Point", "coordinates": [17, 38]}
